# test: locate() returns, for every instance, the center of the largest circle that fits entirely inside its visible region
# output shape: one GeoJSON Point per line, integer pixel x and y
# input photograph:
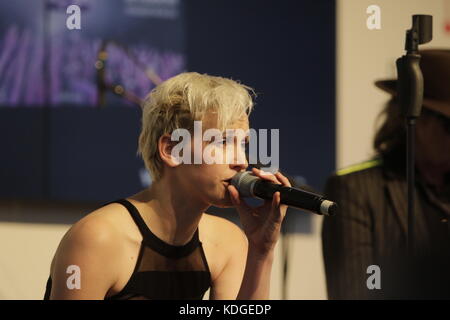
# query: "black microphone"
{"type": "Point", "coordinates": [252, 186]}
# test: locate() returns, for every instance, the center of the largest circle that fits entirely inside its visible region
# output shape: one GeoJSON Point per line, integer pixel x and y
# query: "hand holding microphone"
{"type": "Point", "coordinates": [250, 185]}
{"type": "Point", "coordinates": [261, 224]}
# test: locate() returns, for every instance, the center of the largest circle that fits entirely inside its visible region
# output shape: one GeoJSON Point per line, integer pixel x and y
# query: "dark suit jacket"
{"type": "Point", "coordinates": [369, 229]}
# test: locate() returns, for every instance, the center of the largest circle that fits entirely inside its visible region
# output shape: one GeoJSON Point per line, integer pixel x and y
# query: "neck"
{"type": "Point", "coordinates": [173, 212]}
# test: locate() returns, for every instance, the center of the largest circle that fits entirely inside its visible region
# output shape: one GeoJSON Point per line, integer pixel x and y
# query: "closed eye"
{"type": "Point", "coordinates": [220, 142]}
{"type": "Point", "coordinates": [244, 143]}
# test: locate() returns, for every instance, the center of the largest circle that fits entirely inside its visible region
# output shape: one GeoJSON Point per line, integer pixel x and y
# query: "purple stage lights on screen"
{"type": "Point", "coordinates": [42, 62]}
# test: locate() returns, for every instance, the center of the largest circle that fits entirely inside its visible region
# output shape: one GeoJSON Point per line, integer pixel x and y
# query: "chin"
{"type": "Point", "coordinates": [224, 205]}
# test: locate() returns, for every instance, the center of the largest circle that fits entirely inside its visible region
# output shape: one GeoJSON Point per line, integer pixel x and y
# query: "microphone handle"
{"type": "Point", "coordinates": [294, 197]}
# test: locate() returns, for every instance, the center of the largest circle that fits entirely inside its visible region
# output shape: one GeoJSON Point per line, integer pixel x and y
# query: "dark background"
{"type": "Point", "coordinates": [284, 49]}
{"type": "Point", "coordinates": [271, 46]}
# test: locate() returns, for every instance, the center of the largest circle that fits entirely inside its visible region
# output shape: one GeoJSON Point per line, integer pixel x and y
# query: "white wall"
{"type": "Point", "coordinates": [364, 56]}
{"type": "Point", "coordinates": [27, 248]}
{"type": "Point", "coordinates": [26, 252]}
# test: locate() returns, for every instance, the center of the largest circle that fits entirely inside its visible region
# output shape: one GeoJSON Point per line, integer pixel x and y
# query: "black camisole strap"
{"type": "Point", "coordinates": [153, 241]}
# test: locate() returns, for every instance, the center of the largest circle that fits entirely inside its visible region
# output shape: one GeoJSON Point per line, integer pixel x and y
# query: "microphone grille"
{"type": "Point", "coordinates": [244, 182]}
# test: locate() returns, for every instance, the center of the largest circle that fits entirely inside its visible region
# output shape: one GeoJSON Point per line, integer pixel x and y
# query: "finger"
{"type": "Point", "coordinates": [283, 179]}
{"type": "Point", "coordinates": [282, 208]}
{"type": "Point", "coordinates": [266, 175]}
{"type": "Point", "coordinates": [277, 215]}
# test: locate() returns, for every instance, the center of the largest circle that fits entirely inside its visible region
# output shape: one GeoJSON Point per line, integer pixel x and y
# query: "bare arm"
{"type": "Point", "coordinates": [256, 281]}
{"type": "Point", "coordinates": [262, 227]}
{"type": "Point", "coordinates": [246, 275]}
{"type": "Point", "coordinates": [226, 285]}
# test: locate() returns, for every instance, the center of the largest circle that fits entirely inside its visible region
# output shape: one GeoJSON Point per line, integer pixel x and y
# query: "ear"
{"type": "Point", "coordinates": [165, 146]}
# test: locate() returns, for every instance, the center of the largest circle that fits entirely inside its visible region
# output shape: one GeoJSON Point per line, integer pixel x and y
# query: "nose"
{"type": "Point", "coordinates": [239, 162]}
{"type": "Point", "coordinates": [239, 166]}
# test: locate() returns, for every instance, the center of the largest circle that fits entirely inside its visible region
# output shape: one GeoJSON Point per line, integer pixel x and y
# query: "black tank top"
{"type": "Point", "coordinates": [162, 271]}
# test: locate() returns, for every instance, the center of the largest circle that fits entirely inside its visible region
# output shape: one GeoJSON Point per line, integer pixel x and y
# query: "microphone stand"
{"type": "Point", "coordinates": [100, 76]}
{"type": "Point", "coordinates": [103, 87]}
{"type": "Point", "coordinates": [410, 96]}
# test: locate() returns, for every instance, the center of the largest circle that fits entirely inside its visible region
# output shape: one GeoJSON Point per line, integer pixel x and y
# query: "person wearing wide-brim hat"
{"type": "Point", "coordinates": [371, 226]}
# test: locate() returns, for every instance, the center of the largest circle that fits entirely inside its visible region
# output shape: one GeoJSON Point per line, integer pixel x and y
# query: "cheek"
{"type": "Point", "coordinates": [213, 154]}
{"type": "Point", "coordinates": [233, 153]}
{"type": "Point", "coordinates": [211, 180]}
{"type": "Point", "coordinates": [194, 176]}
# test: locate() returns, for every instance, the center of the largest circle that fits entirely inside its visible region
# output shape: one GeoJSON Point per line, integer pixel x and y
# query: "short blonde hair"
{"type": "Point", "coordinates": [183, 99]}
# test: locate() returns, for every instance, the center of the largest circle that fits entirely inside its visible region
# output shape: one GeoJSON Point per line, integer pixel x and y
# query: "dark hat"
{"type": "Point", "coordinates": [435, 65]}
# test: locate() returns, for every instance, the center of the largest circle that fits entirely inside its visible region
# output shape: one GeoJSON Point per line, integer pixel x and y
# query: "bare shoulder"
{"type": "Point", "coordinates": [94, 245]}
{"type": "Point", "coordinates": [227, 250]}
{"type": "Point", "coordinates": [98, 228]}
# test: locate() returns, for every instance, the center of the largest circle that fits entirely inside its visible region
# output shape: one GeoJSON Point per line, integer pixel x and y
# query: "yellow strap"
{"type": "Point", "coordinates": [359, 167]}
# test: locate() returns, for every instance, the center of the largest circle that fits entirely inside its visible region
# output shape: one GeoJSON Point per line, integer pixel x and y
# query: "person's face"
{"type": "Point", "coordinates": [433, 138]}
{"type": "Point", "coordinates": [207, 181]}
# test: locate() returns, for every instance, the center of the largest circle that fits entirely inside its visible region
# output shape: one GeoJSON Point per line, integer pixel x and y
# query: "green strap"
{"type": "Point", "coordinates": [360, 166]}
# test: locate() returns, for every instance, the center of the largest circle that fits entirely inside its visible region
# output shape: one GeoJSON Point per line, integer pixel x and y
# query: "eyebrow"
{"type": "Point", "coordinates": [247, 138]}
